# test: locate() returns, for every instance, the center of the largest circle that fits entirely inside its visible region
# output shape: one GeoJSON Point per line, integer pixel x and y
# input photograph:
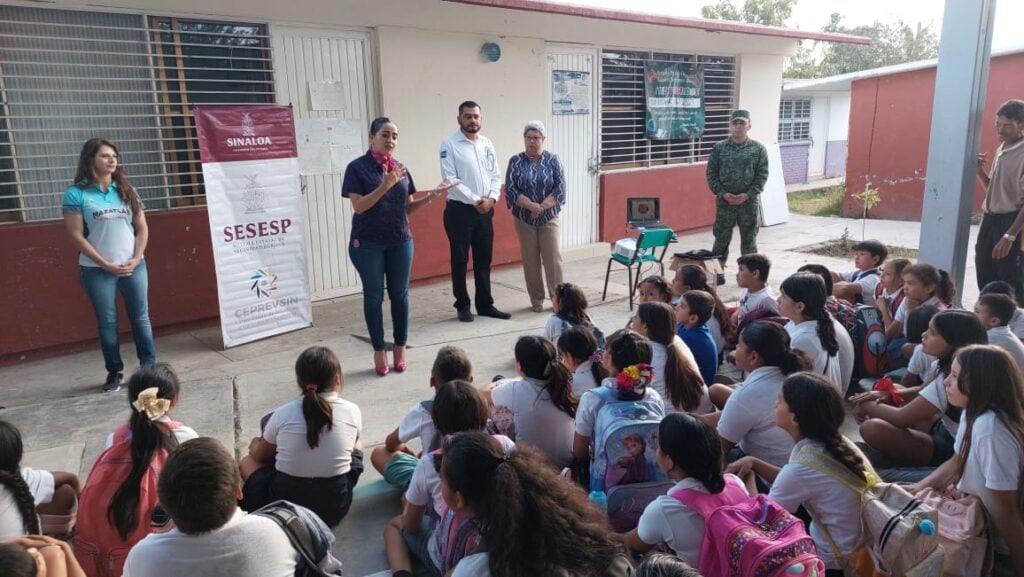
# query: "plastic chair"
{"type": "Point", "coordinates": [646, 251]}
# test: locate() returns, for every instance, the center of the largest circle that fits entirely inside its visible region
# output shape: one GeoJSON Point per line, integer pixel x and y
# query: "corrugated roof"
{"type": "Point", "coordinates": [671, 21]}
{"type": "Point", "coordinates": [843, 81]}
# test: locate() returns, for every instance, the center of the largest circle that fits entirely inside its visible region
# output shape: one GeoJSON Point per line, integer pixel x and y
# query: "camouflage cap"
{"type": "Point", "coordinates": [739, 114]}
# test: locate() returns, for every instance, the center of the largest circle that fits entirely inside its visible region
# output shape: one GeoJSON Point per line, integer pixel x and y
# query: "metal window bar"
{"type": "Point", "coordinates": [67, 76]}
{"type": "Point", "coordinates": [623, 138]}
{"type": "Point", "coordinates": [794, 120]}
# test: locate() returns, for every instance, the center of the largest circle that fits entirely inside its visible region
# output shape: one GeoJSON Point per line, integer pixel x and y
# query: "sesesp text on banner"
{"type": "Point", "coordinates": [674, 100]}
{"type": "Point", "coordinates": [253, 193]}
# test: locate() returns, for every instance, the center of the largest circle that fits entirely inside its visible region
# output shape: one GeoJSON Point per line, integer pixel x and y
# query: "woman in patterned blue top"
{"type": "Point", "coordinates": [104, 218]}
{"type": "Point", "coordinates": [535, 191]}
{"type": "Point", "coordinates": [380, 247]}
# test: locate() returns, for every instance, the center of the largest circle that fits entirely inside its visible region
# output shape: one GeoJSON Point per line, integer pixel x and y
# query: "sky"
{"type": "Point", "coordinates": [814, 14]}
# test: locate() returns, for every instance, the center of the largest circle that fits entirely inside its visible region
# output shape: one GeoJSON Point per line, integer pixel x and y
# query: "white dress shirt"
{"type": "Point", "coordinates": [475, 164]}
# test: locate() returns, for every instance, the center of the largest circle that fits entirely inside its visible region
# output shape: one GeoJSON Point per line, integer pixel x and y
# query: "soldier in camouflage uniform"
{"type": "Point", "coordinates": [737, 171]}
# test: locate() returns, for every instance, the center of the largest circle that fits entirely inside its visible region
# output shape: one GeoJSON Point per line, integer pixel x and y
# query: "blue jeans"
{"type": "Point", "coordinates": [376, 263]}
{"type": "Point", "coordinates": [102, 287]}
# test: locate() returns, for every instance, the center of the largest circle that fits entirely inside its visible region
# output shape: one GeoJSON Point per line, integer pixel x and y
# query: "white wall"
{"type": "Point", "coordinates": [839, 115]}
{"type": "Point", "coordinates": [760, 76]}
{"type": "Point", "coordinates": [819, 134]}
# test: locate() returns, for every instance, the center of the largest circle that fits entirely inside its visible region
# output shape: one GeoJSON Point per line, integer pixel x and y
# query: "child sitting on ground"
{"type": "Point", "coordinates": [119, 497]}
{"type": "Point", "coordinates": [532, 522]}
{"type": "Point", "coordinates": [578, 350]}
{"type": "Point", "coordinates": [921, 432]}
{"type": "Point", "coordinates": [995, 312]}
{"type": "Point", "coordinates": [626, 349]}
{"type": "Point", "coordinates": [920, 370]}
{"type": "Point", "coordinates": [823, 468]}
{"type": "Point", "coordinates": [570, 306]}
{"type": "Point", "coordinates": [889, 293]}
{"type": "Point", "coordinates": [426, 526]}
{"type": "Point", "coordinates": [653, 289]}
{"type": "Point", "coordinates": [693, 278]}
{"type": "Point", "coordinates": [692, 315]}
{"type": "Point", "coordinates": [212, 536]}
{"type": "Point", "coordinates": [539, 407]}
{"type": "Point", "coordinates": [394, 459]}
{"type": "Point", "coordinates": [757, 299]}
{"type": "Point", "coordinates": [1004, 288]}
{"type": "Point", "coordinates": [690, 453]}
{"type": "Point", "coordinates": [17, 506]}
{"type": "Point", "coordinates": [811, 329]}
{"type": "Point", "coordinates": [309, 452]}
{"type": "Point", "coordinates": [923, 284]}
{"type": "Point", "coordinates": [841, 310]}
{"type": "Point", "coordinates": [38, 556]}
{"type": "Point", "coordinates": [858, 285]}
{"type": "Point", "coordinates": [988, 448]}
{"type": "Point", "coordinates": [676, 375]}
{"type": "Point", "coordinates": [55, 495]}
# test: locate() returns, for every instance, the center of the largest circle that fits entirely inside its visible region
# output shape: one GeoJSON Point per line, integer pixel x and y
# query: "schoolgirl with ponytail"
{"type": "Point", "coordinates": [117, 503]}
{"type": "Point", "coordinates": [690, 453]}
{"type": "Point", "coordinates": [748, 419]}
{"type": "Point", "coordinates": [540, 404]}
{"type": "Point", "coordinates": [628, 361]}
{"type": "Point", "coordinates": [826, 470]}
{"type": "Point", "coordinates": [532, 522]}
{"type": "Point", "coordinates": [923, 284]}
{"type": "Point", "coordinates": [19, 519]}
{"type": "Point", "coordinates": [310, 452]}
{"type": "Point", "coordinates": [581, 355]}
{"type": "Point", "coordinates": [676, 376]}
{"type": "Point", "coordinates": [811, 329]}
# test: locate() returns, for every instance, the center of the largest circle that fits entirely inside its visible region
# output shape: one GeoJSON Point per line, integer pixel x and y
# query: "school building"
{"type": "Point", "coordinates": [132, 72]}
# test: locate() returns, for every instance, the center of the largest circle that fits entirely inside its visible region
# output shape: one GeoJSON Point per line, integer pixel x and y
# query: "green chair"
{"type": "Point", "coordinates": [647, 246]}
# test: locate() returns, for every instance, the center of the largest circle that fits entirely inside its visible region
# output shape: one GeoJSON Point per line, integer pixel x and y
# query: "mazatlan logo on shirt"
{"type": "Point", "coordinates": [111, 214]}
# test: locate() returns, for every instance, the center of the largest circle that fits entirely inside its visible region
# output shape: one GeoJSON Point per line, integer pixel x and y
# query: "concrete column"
{"type": "Point", "coordinates": [960, 85]}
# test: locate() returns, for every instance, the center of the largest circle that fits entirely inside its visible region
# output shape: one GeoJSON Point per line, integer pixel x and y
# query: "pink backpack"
{"type": "Point", "coordinates": [98, 546]}
{"type": "Point", "coordinates": [750, 536]}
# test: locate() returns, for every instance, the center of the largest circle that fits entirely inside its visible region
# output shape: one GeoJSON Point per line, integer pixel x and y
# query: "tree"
{"type": "Point", "coordinates": [767, 12]}
{"type": "Point", "coordinates": [891, 43]}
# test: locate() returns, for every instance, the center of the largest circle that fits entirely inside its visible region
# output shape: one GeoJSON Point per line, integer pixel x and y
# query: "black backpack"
{"type": "Point", "coordinates": [313, 546]}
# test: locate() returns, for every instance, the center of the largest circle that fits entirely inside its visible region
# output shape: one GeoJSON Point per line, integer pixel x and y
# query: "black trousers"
{"type": "Point", "coordinates": [1008, 269]}
{"type": "Point", "coordinates": [468, 229]}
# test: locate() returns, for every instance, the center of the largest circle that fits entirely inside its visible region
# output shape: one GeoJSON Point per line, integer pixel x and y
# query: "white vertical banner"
{"type": "Point", "coordinates": [254, 199]}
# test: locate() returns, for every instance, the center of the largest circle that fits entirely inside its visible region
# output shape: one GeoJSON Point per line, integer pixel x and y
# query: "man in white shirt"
{"type": "Point", "coordinates": [468, 157]}
{"type": "Point", "coordinates": [199, 489]}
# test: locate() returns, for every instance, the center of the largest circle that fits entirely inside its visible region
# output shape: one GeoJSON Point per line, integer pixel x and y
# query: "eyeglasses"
{"type": "Point", "coordinates": [534, 138]}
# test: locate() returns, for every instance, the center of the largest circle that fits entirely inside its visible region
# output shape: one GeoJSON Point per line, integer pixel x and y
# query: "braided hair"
{"type": "Point", "coordinates": [819, 413]}
{"type": "Point", "coordinates": [11, 451]}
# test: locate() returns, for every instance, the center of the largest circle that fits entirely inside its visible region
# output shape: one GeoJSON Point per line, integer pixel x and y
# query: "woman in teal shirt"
{"type": "Point", "coordinates": [104, 218]}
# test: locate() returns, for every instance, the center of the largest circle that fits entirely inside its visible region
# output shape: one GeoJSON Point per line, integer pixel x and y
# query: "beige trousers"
{"type": "Point", "coordinates": [539, 245]}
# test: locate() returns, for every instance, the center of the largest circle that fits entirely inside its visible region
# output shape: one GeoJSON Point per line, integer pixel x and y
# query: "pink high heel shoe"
{"type": "Point", "coordinates": [401, 367]}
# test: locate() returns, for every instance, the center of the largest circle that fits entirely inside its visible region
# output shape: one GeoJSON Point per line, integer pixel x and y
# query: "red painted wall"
{"type": "Point", "coordinates": [47, 310]}
{"type": "Point", "coordinates": [686, 200]}
{"type": "Point", "coordinates": [890, 120]}
{"type": "Point", "coordinates": [46, 306]}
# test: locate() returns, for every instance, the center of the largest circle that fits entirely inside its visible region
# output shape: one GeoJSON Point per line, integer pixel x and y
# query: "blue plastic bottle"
{"type": "Point", "coordinates": [599, 498]}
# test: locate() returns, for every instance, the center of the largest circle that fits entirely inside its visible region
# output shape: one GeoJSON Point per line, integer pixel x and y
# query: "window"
{"type": "Point", "coordinates": [67, 76]}
{"type": "Point", "coordinates": [795, 120]}
{"type": "Point", "coordinates": [623, 140]}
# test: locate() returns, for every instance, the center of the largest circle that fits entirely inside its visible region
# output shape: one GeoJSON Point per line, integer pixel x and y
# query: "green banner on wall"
{"type": "Point", "coordinates": [674, 97]}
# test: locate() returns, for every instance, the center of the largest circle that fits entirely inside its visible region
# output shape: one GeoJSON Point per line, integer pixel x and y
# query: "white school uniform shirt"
{"type": "Point", "coordinates": [417, 422]}
{"type": "Point", "coordinates": [923, 365]}
{"type": "Point", "coordinates": [748, 419]}
{"type": "Point", "coordinates": [901, 313]}
{"type": "Point", "coordinates": [804, 336]}
{"type": "Point", "coordinates": [475, 565]}
{"type": "Point", "coordinates": [181, 434]}
{"type": "Point", "coordinates": [1004, 338]}
{"type": "Point", "coordinates": [716, 333]}
{"type": "Point", "coordinates": [425, 484]}
{"type": "Point", "coordinates": [867, 279]}
{"type": "Point", "coordinates": [993, 464]}
{"type": "Point", "coordinates": [332, 456]}
{"type": "Point", "coordinates": [553, 328]}
{"type": "Point", "coordinates": [753, 301]}
{"type": "Point", "coordinates": [40, 484]}
{"type": "Point", "coordinates": [835, 505]}
{"type": "Point", "coordinates": [583, 379]}
{"type": "Point", "coordinates": [591, 403]}
{"type": "Point", "coordinates": [537, 420]}
{"type": "Point", "coordinates": [1017, 323]}
{"type": "Point", "coordinates": [248, 545]}
{"type": "Point", "coordinates": [935, 393]}
{"type": "Point", "coordinates": [667, 520]}
{"type": "Point", "coordinates": [475, 163]}
{"type": "Point", "coordinates": [659, 356]}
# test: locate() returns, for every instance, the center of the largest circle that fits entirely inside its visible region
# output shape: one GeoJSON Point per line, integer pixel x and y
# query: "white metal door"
{"type": "Point", "coordinates": [301, 56]}
{"type": "Point", "coordinates": [573, 138]}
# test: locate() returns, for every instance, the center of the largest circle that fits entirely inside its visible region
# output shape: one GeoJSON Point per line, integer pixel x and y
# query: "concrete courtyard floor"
{"type": "Point", "coordinates": [64, 418]}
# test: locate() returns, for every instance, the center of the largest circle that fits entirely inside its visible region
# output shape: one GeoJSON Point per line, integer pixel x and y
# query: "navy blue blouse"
{"type": "Point", "coordinates": [387, 221]}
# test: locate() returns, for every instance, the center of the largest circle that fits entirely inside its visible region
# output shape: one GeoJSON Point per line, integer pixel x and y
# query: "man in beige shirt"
{"type": "Point", "coordinates": [997, 253]}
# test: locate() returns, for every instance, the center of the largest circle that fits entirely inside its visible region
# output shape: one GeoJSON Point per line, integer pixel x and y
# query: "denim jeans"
{"type": "Point", "coordinates": [102, 287]}
{"type": "Point", "coordinates": [377, 263]}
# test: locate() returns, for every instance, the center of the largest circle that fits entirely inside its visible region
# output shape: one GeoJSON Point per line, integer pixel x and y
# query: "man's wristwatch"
{"type": "Point", "coordinates": [1010, 237]}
